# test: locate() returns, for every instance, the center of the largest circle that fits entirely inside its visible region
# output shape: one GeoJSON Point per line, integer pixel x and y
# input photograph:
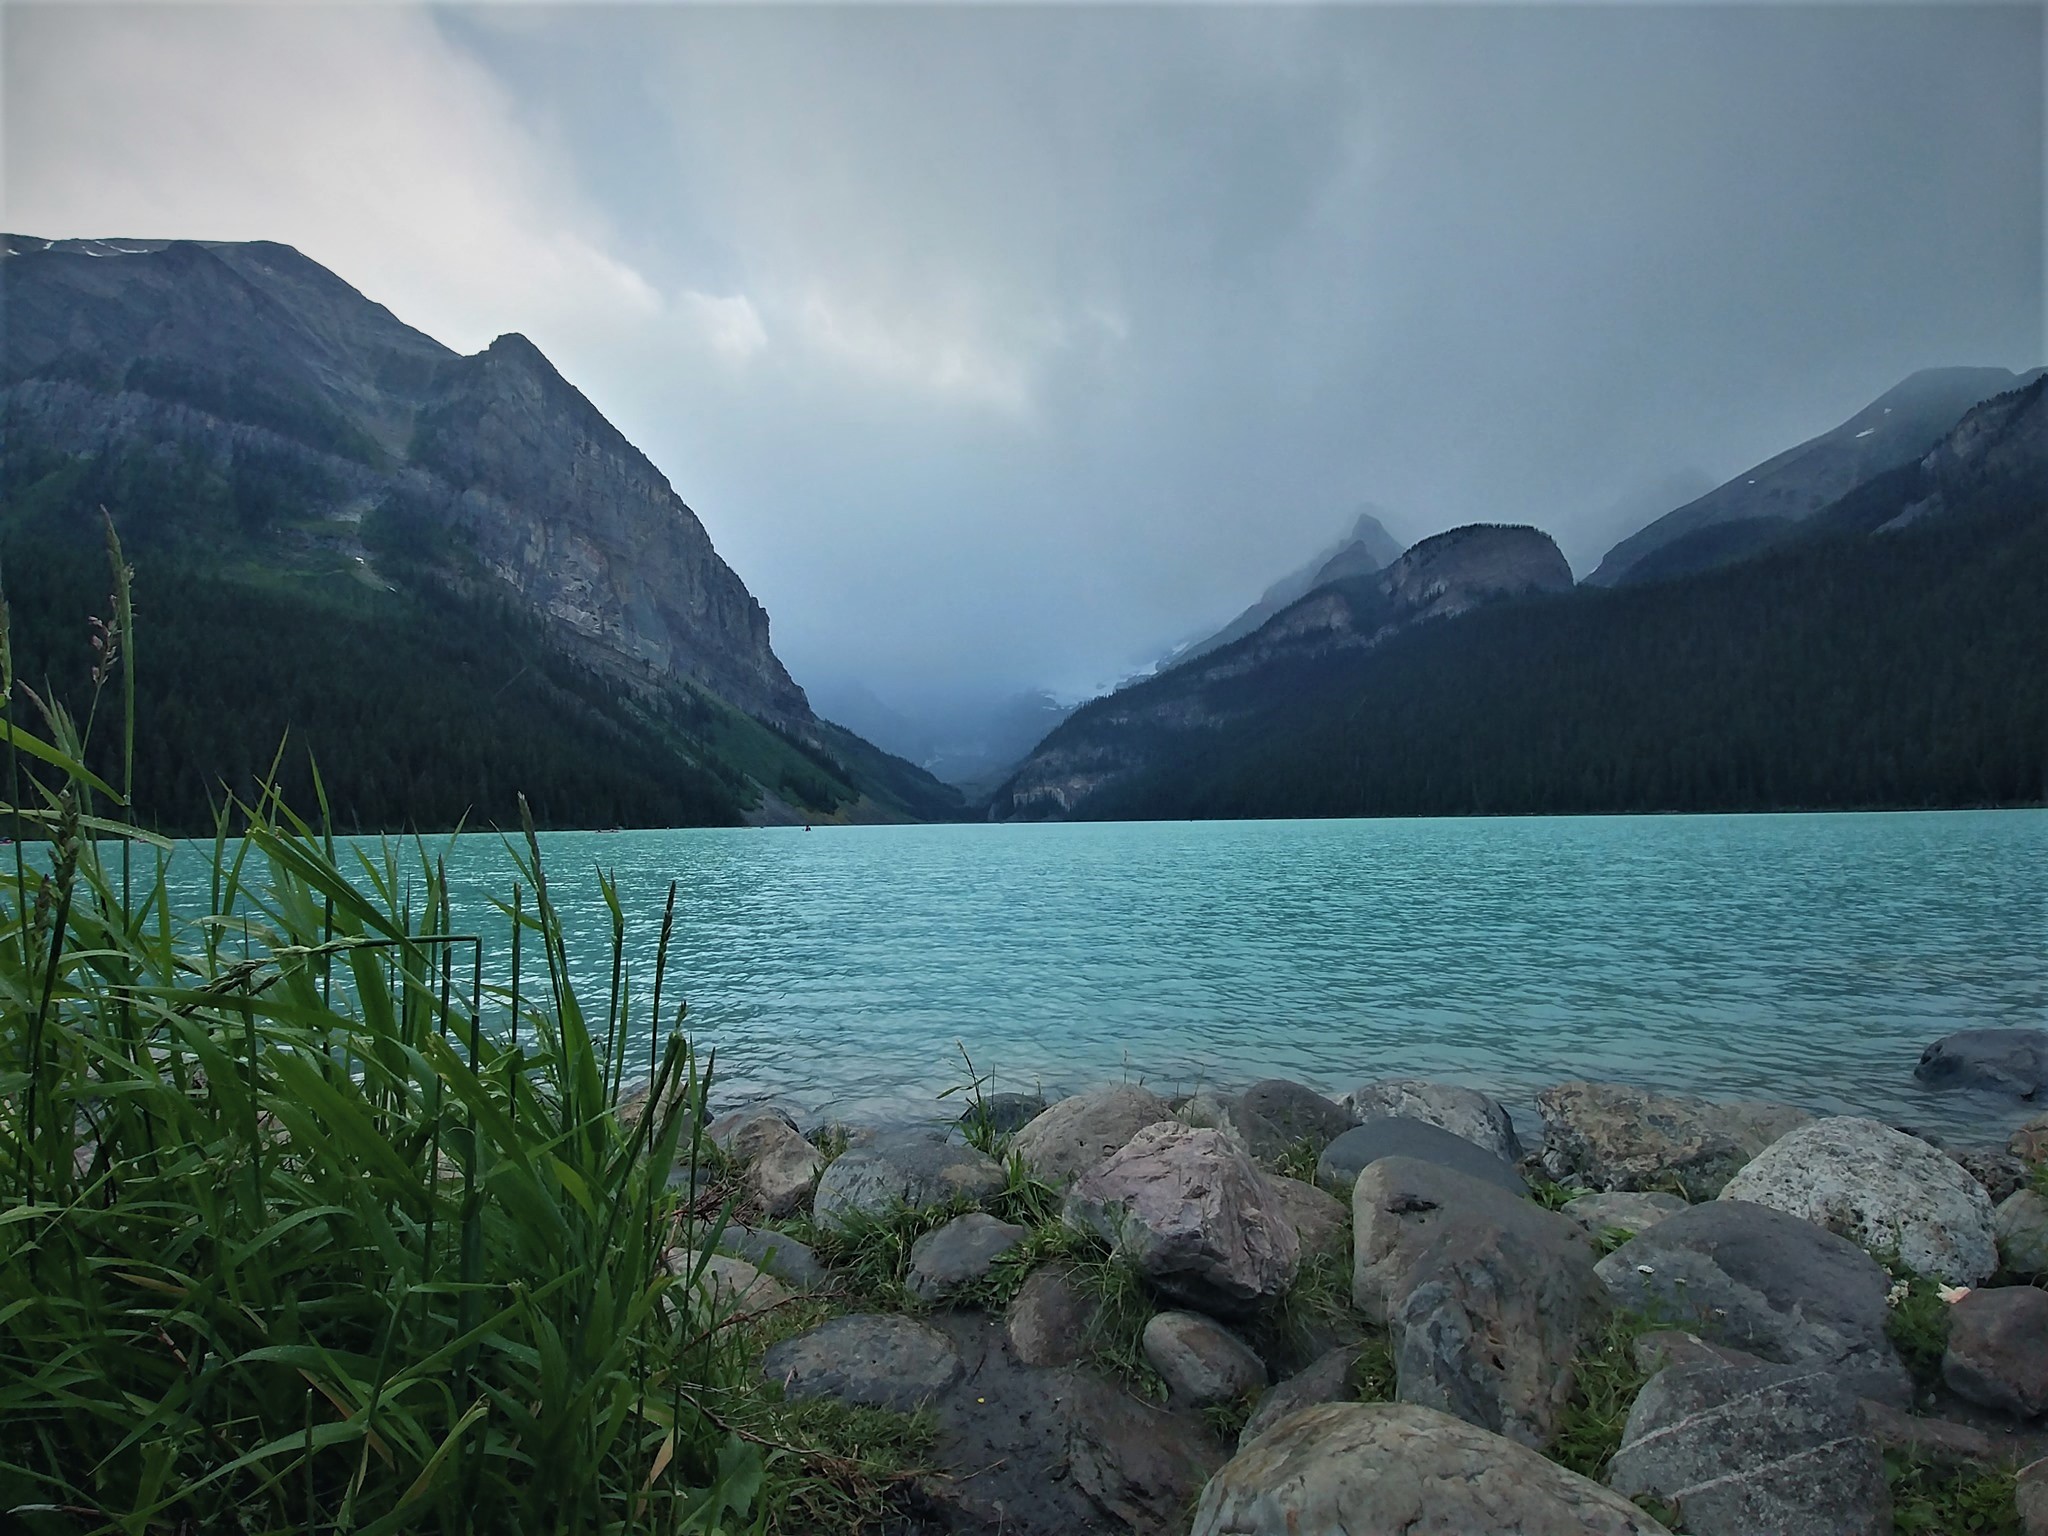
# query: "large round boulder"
{"type": "Point", "coordinates": [1756, 1279]}
{"type": "Point", "coordinates": [1370, 1468]}
{"type": "Point", "coordinates": [1363, 1145]}
{"type": "Point", "coordinates": [901, 1170]}
{"type": "Point", "coordinates": [1615, 1136]}
{"type": "Point", "coordinates": [1199, 1221]}
{"type": "Point", "coordinates": [1075, 1134]}
{"type": "Point", "coordinates": [1296, 1111]}
{"type": "Point", "coordinates": [958, 1254]}
{"type": "Point", "coordinates": [1200, 1360]}
{"type": "Point", "coordinates": [1463, 1112]}
{"type": "Point", "coordinates": [1486, 1297]}
{"type": "Point", "coordinates": [871, 1360]}
{"type": "Point", "coordinates": [1888, 1192]}
{"type": "Point", "coordinates": [1744, 1449]}
{"type": "Point", "coordinates": [1997, 1351]}
{"type": "Point", "coordinates": [2012, 1062]}
{"type": "Point", "coordinates": [2022, 1224]}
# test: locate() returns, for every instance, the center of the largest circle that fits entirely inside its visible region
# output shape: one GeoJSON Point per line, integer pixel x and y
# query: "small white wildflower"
{"type": "Point", "coordinates": [1897, 1293]}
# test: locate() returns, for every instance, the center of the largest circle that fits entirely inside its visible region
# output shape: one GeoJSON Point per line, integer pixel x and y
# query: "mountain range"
{"type": "Point", "coordinates": [1882, 649]}
{"type": "Point", "coordinates": [253, 422]}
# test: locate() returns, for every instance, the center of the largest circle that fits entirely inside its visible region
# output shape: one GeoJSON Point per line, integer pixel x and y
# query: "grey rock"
{"type": "Point", "coordinates": [1663, 1348]}
{"type": "Point", "coordinates": [1392, 1469]}
{"type": "Point", "coordinates": [745, 1133]}
{"type": "Point", "coordinates": [1486, 1296]}
{"type": "Point", "coordinates": [1939, 1442]}
{"type": "Point", "coordinates": [1999, 1171]}
{"type": "Point", "coordinates": [777, 1254]}
{"type": "Point", "coordinates": [1613, 1136]}
{"type": "Point", "coordinates": [1006, 1112]}
{"type": "Point", "coordinates": [901, 1170]}
{"type": "Point", "coordinates": [1462, 1111]}
{"type": "Point", "coordinates": [1759, 1280]}
{"type": "Point", "coordinates": [741, 1289]}
{"type": "Point", "coordinates": [1742, 1450]}
{"type": "Point", "coordinates": [1025, 1451]}
{"type": "Point", "coordinates": [1261, 1140]}
{"type": "Point", "coordinates": [959, 1253]}
{"type": "Point", "coordinates": [2012, 1062]}
{"type": "Point", "coordinates": [1296, 1111]}
{"type": "Point", "coordinates": [872, 1360]}
{"type": "Point", "coordinates": [1622, 1211]}
{"type": "Point", "coordinates": [1050, 1319]}
{"type": "Point", "coordinates": [1200, 1222]}
{"type": "Point", "coordinates": [1200, 1360]}
{"type": "Point", "coordinates": [1076, 1134]}
{"type": "Point", "coordinates": [2021, 1222]}
{"type": "Point", "coordinates": [783, 1175]}
{"type": "Point", "coordinates": [2030, 1142]}
{"type": "Point", "coordinates": [1998, 1349]}
{"type": "Point", "coordinates": [1363, 1145]}
{"type": "Point", "coordinates": [2030, 1494]}
{"type": "Point", "coordinates": [1886, 1191]}
{"type": "Point", "coordinates": [1329, 1378]}
{"type": "Point", "coordinates": [1317, 1216]}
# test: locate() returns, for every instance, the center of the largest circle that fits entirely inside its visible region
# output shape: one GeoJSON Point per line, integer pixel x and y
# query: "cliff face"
{"type": "Point", "coordinates": [223, 350]}
{"type": "Point", "coordinates": [1112, 740]}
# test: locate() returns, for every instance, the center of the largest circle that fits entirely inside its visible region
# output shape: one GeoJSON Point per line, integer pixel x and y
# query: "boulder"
{"type": "Point", "coordinates": [1363, 1145]}
{"type": "Point", "coordinates": [1755, 1279]}
{"type": "Point", "coordinates": [746, 1133]}
{"type": "Point", "coordinates": [1938, 1442]}
{"type": "Point", "coordinates": [959, 1253]}
{"type": "Point", "coordinates": [775, 1253]}
{"type": "Point", "coordinates": [872, 1360]}
{"type": "Point", "coordinates": [2030, 1142]}
{"type": "Point", "coordinates": [1316, 1216]}
{"type": "Point", "coordinates": [2021, 1223]}
{"type": "Point", "coordinates": [1028, 1451]}
{"type": "Point", "coordinates": [901, 1170]}
{"type": "Point", "coordinates": [1261, 1139]}
{"type": "Point", "coordinates": [1613, 1136]}
{"type": "Point", "coordinates": [1330, 1378]}
{"type": "Point", "coordinates": [1886, 1191]}
{"type": "Point", "coordinates": [1005, 1113]}
{"type": "Point", "coordinates": [1622, 1211]}
{"type": "Point", "coordinates": [1371, 1468]}
{"type": "Point", "coordinates": [783, 1177]}
{"type": "Point", "coordinates": [742, 1290]}
{"type": "Point", "coordinates": [1739, 1450]}
{"type": "Point", "coordinates": [1999, 1171]}
{"type": "Point", "coordinates": [1050, 1319]}
{"type": "Point", "coordinates": [1198, 1220]}
{"type": "Point", "coordinates": [1297, 1112]}
{"type": "Point", "coordinates": [1076, 1134]}
{"type": "Point", "coordinates": [2030, 1494]}
{"type": "Point", "coordinates": [1462, 1111]}
{"type": "Point", "coordinates": [1663, 1348]}
{"type": "Point", "coordinates": [1200, 1360]}
{"type": "Point", "coordinates": [1486, 1296]}
{"type": "Point", "coordinates": [2012, 1062]}
{"type": "Point", "coordinates": [1998, 1349]}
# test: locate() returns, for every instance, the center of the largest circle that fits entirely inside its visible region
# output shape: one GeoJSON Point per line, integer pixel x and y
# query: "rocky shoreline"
{"type": "Point", "coordinates": [1276, 1313]}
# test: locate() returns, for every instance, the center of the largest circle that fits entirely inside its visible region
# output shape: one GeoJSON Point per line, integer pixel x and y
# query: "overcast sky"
{"type": "Point", "coordinates": [1006, 346]}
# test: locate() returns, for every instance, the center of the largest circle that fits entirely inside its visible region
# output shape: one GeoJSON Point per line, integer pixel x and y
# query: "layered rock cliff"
{"type": "Point", "coordinates": [222, 350]}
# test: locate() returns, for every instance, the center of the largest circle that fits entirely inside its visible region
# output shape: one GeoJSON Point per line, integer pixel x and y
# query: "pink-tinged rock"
{"type": "Point", "coordinates": [1196, 1217]}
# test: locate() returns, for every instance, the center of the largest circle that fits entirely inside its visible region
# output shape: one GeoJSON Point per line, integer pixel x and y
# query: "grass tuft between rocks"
{"type": "Point", "coordinates": [1605, 1388]}
{"type": "Point", "coordinates": [1929, 1500]}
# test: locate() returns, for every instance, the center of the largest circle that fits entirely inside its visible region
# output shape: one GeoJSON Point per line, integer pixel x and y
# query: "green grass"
{"type": "Point", "coordinates": [1298, 1161]}
{"type": "Point", "coordinates": [1607, 1381]}
{"type": "Point", "coordinates": [1917, 1324]}
{"type": "Point", "coordinates": [1950, 1501]}
{"type": "Point", "coordinates": [304, 1227]}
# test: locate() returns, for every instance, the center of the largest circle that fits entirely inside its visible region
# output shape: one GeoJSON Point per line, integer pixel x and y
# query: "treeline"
{"type": "Point", "coordinates": [422, 711]}
{"type": "Point", "coordinates": [1903, 670]}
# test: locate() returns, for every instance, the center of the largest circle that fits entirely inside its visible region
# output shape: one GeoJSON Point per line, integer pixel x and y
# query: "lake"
{"type": "Point", "coordinates": [1801, 957]}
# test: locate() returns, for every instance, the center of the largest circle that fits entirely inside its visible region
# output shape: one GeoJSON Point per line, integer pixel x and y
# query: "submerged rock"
{"type": "Point", "coordinates": [2012, 1062]}
{"type": "Point", "coordinates": [1462, 1111]}
{"type": "Point", "coordinates": [1363, 1145]}
{"type": "Point", "coordinates": [1370, 1468]}
{"type": "Point", "coordinates": [1888, 1192]}
{"type": "Point", "coordinates": [1755, 1279]}
{"type": "Point", "coordinates": [1076, 1134]}
{"type": "Point", "coordinates": [1741, 1450]}
{"type": "Point", "coordinates": [1614, 1136]}
{"type": "Point", "coordinates": [1197, 1219]}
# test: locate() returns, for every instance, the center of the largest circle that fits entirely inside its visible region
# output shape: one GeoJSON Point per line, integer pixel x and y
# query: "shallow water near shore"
{"type": "Point", "coordinates": [1806, 957]}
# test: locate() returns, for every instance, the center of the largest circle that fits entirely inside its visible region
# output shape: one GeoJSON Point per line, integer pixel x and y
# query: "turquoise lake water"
{"type": "Point", "coordinates": [1800, 957]}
